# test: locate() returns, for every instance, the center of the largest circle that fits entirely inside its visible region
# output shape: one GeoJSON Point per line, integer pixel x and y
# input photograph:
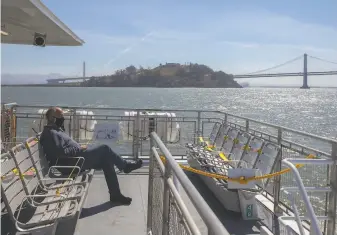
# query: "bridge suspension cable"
{"type": "Point", "coordinates": [277, 66]}
{"type": "Point", "coordinates": [327, 61]}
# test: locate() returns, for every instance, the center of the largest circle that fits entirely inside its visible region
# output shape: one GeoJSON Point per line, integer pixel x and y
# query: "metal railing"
{"type": "Point", "coordinates": [303, 192]}
{"type": "Point", "coordinates": [295, 144]}
{"type": "Point", "coordinates": [8, 126]}
{"type": "Point", "coordinates": [167, 212]}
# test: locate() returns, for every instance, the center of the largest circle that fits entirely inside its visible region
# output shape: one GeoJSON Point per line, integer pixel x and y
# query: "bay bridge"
{"type": "Point", "coordinates": [258, 74]}
{"type": "Point", "coordinates": [304, 73]}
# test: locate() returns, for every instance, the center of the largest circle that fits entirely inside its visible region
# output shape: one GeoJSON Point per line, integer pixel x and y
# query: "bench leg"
{"type": "Point", "coordinates": [67, 226]}
{"type": "Point", "coordinates": [51, 230]}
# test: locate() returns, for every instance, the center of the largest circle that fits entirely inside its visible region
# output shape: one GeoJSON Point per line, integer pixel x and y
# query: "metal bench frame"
{"type": "Point", "coordinates": [57, 226]}
{"type": "Point", "coordinates": [13, 205]}
{"type": "Point", "coordinates": [203, 159]}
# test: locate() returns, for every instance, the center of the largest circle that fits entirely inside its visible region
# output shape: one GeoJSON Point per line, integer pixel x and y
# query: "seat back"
{"type": "Point", "coordinates": [251, 153]}
{"type": "Point", "coordinates": [24, 164]}
{"type": "Point", "coordinates": [12, 190]}
{"type": "Point", "coordinates": [270, 153]}
{"type": "Point", "coordinates": [220, 135]}
{"type": "Point", "coordinates": [214, 132]}
{"type": "Point", "coordinates": [229, 139]}
{"type": "Point", "coordinates": [37, 156]}
{"type": "Point", "coordinates": [238, 149]}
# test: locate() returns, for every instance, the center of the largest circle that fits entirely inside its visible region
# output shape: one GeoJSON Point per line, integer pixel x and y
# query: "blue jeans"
{"type": "Point", "coordinates": [102, 157]}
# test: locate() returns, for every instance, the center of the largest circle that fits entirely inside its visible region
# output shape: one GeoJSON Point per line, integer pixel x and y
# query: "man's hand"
{"type": "Point", "coordinates": [84, 147]}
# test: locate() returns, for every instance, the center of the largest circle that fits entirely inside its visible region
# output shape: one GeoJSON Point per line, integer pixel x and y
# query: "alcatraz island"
{"type": "Point", "coordinates": [169, 75]}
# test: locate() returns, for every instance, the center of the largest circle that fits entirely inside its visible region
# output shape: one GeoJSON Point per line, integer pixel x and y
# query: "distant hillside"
{"type": "Point", "coordinates": [167, 75]}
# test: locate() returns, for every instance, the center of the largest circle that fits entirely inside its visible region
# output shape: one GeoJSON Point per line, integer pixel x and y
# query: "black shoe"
{"type": "Point", "coordinates": [120, 199]}
{"type": "Point", "coordinates": [131, 166]}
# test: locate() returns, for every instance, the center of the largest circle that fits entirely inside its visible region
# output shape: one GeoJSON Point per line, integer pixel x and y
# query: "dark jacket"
{"type": "Point", "coordinates": [56, 143]}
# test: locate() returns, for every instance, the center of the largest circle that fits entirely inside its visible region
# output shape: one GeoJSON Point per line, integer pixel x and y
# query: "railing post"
{"type": "Point", "coordinates": [331, 225]}
{"type": "Point", "coordinates": [73, 121]}
{"type": "Point", "coordinates": [199, 124]}
{"type": "Point", "coordinates": [165, 130]}
{"type": "Point", "coordinates": [277, 186]}
{"type": "Point", "coordinates": [209, 232]}
{"type": "Point", "coordinates": [13, 126]}
{"type": "Point", "coordinates": [150, 186]}
{"type": "Point", "coordinates": [166, 199]}
{"type": "Point", "coordinates": [176, 182]}
{"type": "Point", "coordinates": [136, 136]}
{"type": "Point", "coordinates": [78, 123]}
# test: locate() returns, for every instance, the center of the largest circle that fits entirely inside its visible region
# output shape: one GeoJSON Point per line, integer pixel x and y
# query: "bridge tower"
{"type": "Point", "coordinates": [83, 71]}
{"type": "Point", "coordinates": [305, 72]}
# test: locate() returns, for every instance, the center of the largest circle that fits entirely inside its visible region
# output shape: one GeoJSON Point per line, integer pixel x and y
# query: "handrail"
{"type": "Point", "coordinates": [303, 192]}
{"type": "Point", "coordinates": [179, 200]}
{"type": "Point", "coordinates": [330, 140]}
{"type": "Point", "coordinates": [210, 219]}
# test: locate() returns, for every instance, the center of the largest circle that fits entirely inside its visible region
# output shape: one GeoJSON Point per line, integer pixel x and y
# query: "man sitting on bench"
{"type": "Point", "coordinates": [57, 144]}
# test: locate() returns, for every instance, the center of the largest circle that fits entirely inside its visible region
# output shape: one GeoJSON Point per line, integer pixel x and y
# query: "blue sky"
{"type": "Point", "coordinates": [234, 36]}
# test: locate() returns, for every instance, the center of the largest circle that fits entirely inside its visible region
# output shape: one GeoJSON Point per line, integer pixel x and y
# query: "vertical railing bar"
{"type": "Point", "coordinates": [150, 186]}
{"type": "Point", "coordinates": [199, 124]}
{"type": "Point", "coordinates": [150, 194]}
{"type": "Point", "coordinates": [13, 126]}
{"type": "Point", "coordinates": [134, 129]}
{"type": "Point", "coordinates": [176, 182]}
{"type": "Point", "coordinates": [166, 199]}
{"type": "Point", "coordinates": [332, 199]}
{"type": "Point", "coordinates": [78, 122]}
{"type": "Point", "coordinates": [226, 119]}
{"type": "Point", "coordinates": [277, 186]}
{"type": "Point", "coordinates": [136, 137]}
{"type": "Point", "coordinates": [165, 130]}
{"type": "Point", "coordinates": [327, 199]}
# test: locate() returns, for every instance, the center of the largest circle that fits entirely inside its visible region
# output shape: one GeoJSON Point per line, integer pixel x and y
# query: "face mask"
{"type": "Point", "coordinates": [59, 122]}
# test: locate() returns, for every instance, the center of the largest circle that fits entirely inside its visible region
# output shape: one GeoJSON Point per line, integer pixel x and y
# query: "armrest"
{"type": "Point", "coordinates": [64, 179]}
{"type": "Point", "coordinates": [66, 185]}
{"type": "Point", "coordinates": [72, 158]}
{"type": "Point", "coordinates": [64, 167]}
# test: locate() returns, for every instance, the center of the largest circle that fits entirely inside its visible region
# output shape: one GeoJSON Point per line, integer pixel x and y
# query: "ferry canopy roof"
{"type": "Point", "coordinates": [22, 20]}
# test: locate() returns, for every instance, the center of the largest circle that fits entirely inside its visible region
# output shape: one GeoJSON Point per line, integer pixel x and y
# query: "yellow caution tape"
{"type": "Point", "coordinates": [15, 171]}
{"type": "Point", "coordinates": [242, 179]}
{"type": "Point", "coordinates": [223, 156]}
{"type": "Point", "coordinates": [246, 147]}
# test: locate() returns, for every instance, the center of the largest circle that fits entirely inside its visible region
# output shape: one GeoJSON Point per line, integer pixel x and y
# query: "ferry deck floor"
{"type": "Point", "coordinates": [100, 217]}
